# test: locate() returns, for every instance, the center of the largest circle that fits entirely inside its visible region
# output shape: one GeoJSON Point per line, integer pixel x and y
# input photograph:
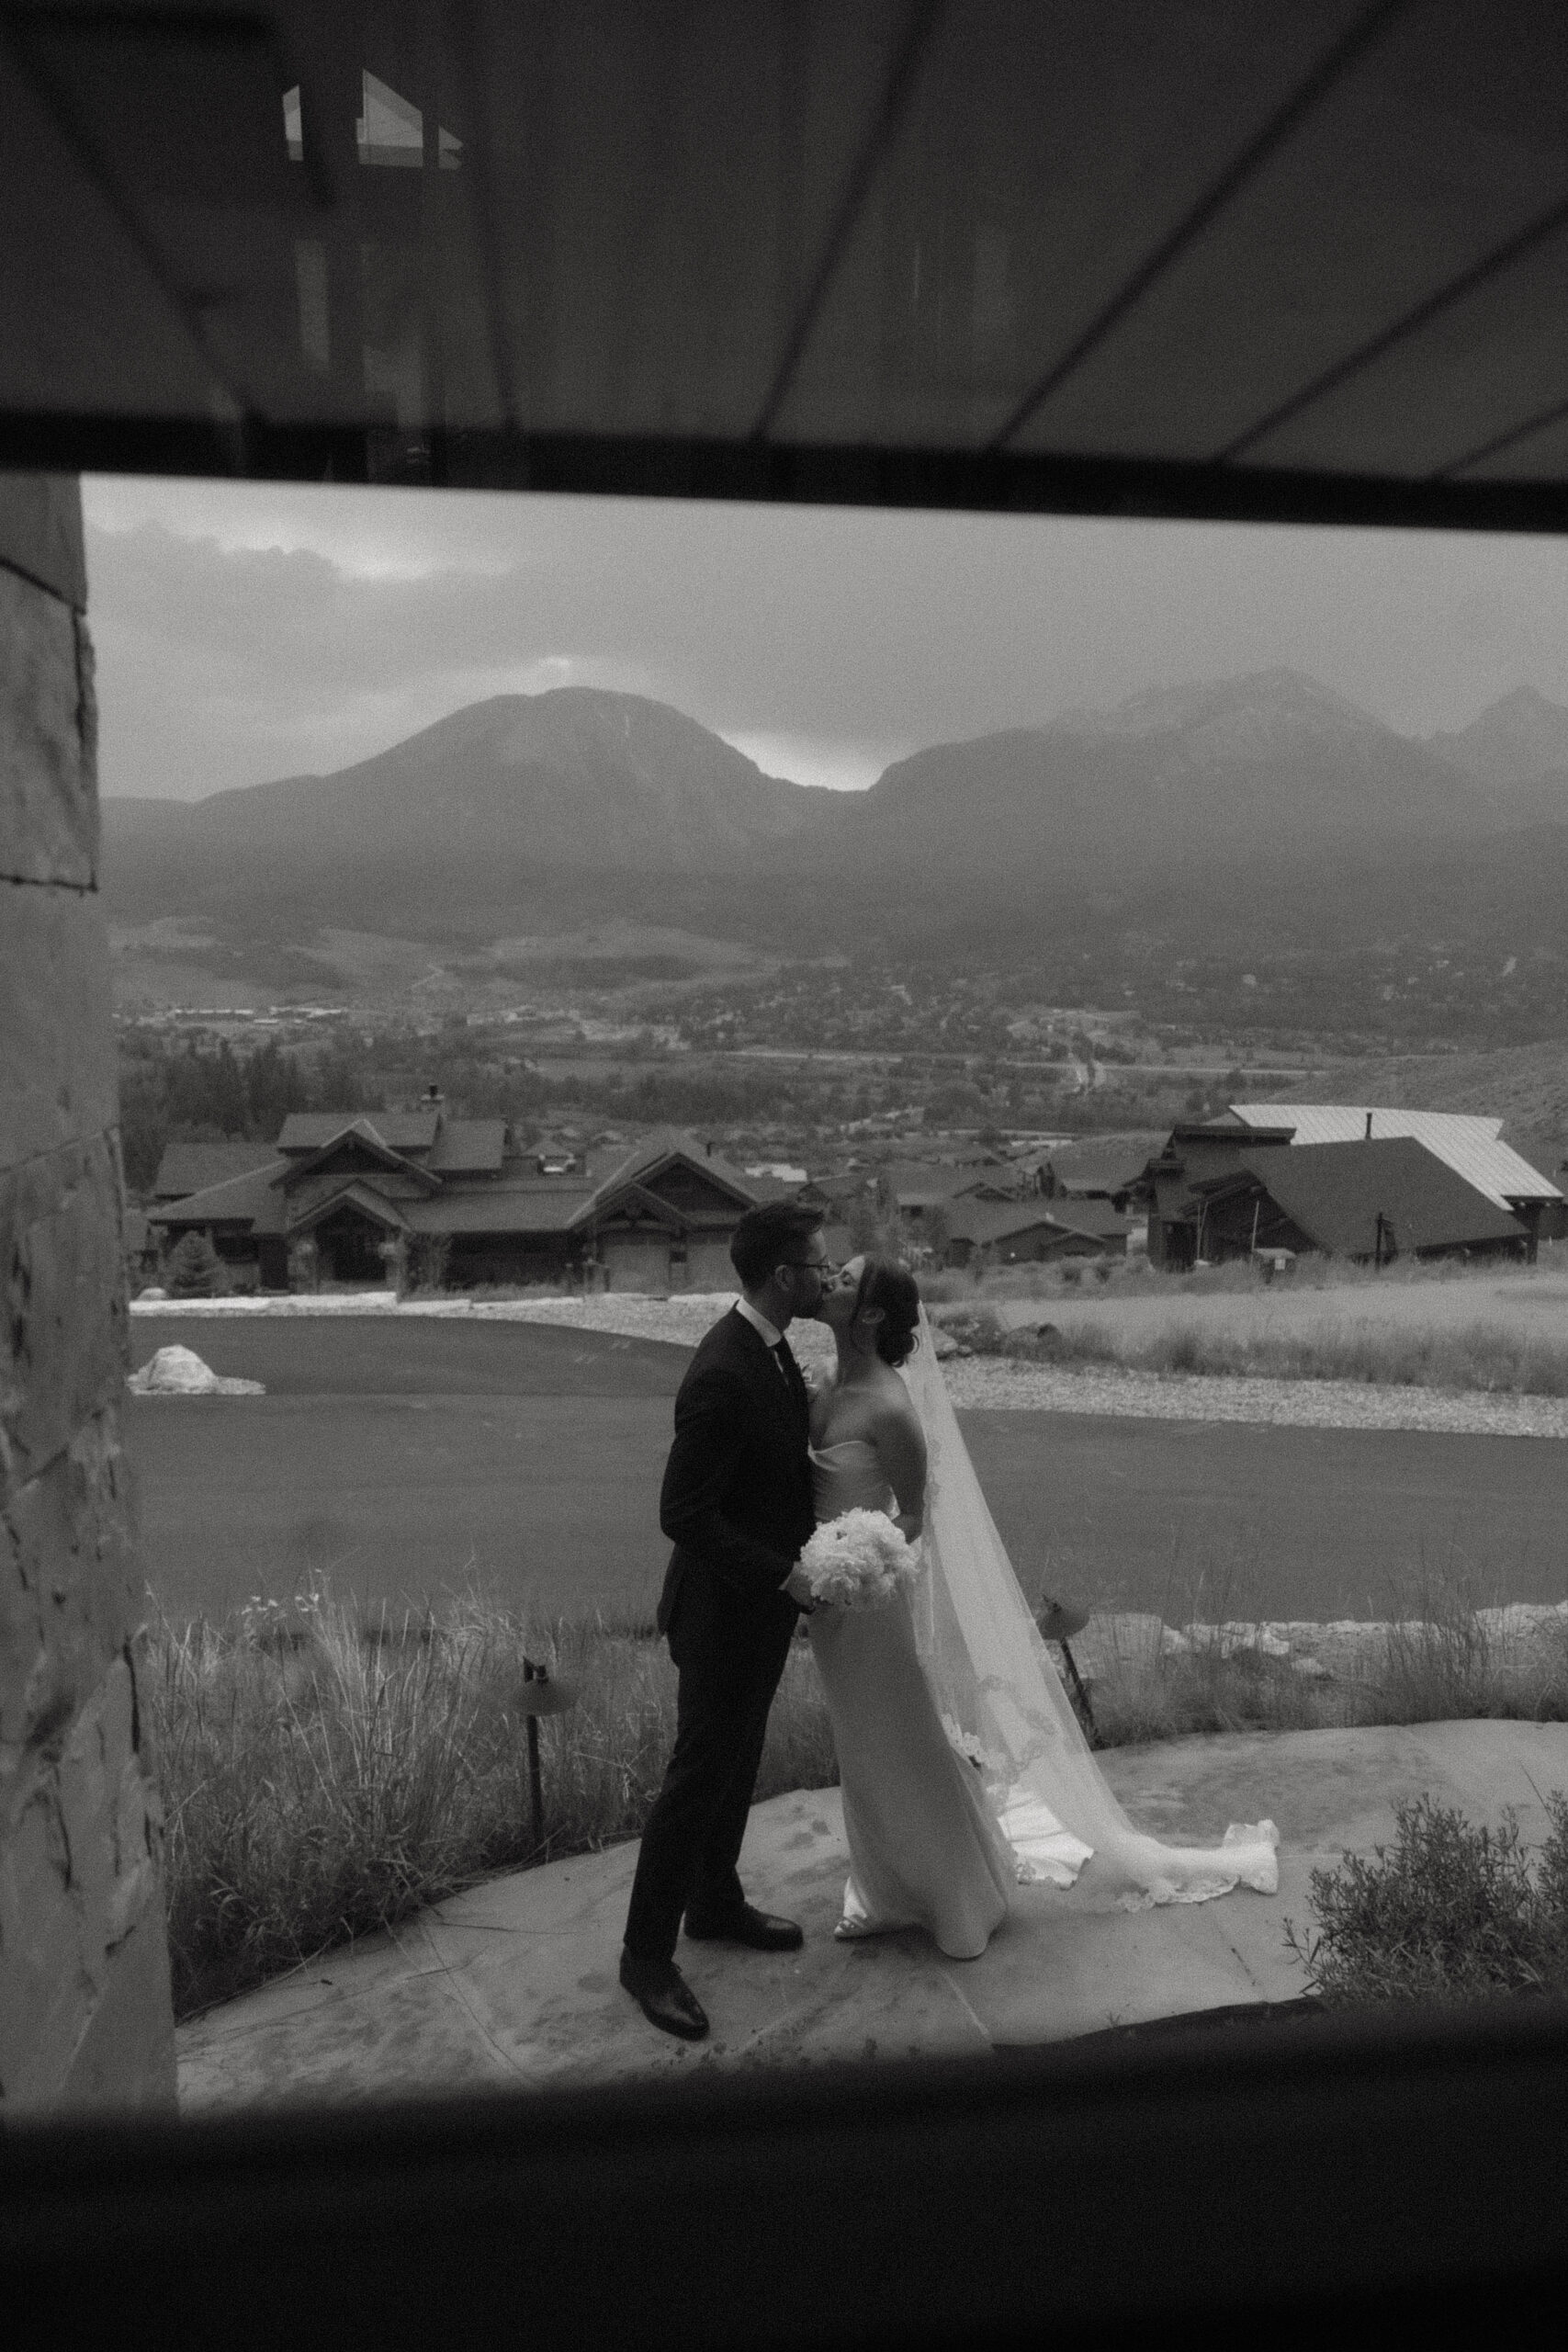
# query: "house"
{"type": "Point", "coordinates": [1168, 1186]}
{"type": "Point", "coordinates": [1373, 1201]}
{"type": "Point", "coordinates": [1096, 1168]}
{"type": "Point", "coordinates": [662, 1220]}
{"type": "Point", "coordinates": [1017, 1232]}
{"type": "Point", "coordinates": [364, 1189]}
{"type": "Point", "coordinates": [1471, 1145]}
{"type": "Point", "coordinates": [914, 1188]}
{"type": "Point", "coordinates": [836, 1191]}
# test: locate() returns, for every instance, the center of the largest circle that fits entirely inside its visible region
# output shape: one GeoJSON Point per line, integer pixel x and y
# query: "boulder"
{"type": "Point", "coordinates": [179, 1371]}
{"type": "Point", "coordinates": [1528, 1636]}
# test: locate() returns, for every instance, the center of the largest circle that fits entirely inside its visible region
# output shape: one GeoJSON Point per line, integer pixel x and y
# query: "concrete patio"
{"type": "Point", "coordinates": [513, 1982]}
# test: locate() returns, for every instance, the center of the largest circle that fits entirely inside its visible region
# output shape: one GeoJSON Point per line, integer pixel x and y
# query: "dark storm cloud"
{"type": "Point", "coordinates": [252, 630]}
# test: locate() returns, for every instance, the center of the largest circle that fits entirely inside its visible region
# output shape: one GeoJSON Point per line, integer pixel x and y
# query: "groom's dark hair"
{"type": "Point", "coordinates": [769, 1236]}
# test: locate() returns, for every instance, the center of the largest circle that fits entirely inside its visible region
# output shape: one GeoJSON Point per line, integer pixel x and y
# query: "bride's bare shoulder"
{"type": "Point", "coordinates": [894, 1411]}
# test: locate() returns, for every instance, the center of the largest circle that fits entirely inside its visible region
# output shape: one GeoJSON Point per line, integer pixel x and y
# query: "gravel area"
{"type": "Point", "coordinates": [996, 1385]}
{"type": "Point", "coordinates": [984, 1382]}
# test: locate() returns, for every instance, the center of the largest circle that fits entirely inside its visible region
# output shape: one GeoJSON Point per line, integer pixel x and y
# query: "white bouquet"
{"type": "Point", "coordinates": [858, 1560]}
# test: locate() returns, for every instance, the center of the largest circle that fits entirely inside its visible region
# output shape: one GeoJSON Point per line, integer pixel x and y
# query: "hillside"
{"type": "Point", "coordinates": [1526, 1086]}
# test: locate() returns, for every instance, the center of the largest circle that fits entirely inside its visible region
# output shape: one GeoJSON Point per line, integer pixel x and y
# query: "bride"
{"type": "Point", "coordinates": [961, 1766]}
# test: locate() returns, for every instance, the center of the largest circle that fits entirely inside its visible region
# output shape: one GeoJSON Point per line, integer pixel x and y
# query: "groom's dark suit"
{"type": "Point", "coordinates": [736, 1504]}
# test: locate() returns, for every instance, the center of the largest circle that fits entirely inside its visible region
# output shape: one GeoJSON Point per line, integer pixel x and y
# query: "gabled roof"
{"type": "Point", "coordinates": [1467, 1142]}
{"type": "Point", "coordinates": [188, 1168]}
{"type": "Point", "coordinates": [371, 1202]}
{"type": "Point", "coordinates": [367, 1143]}
{"type": "Point", "coordinates": [656, 1151]}
{"type": "Point", "coordinates": [924, 1180]}
{"type": "Point", "coordinates": [843, 1184]}
{"type": "Point", "coordinates": [399, 1130]}
{"type": "Point", "coordinates": [1337, 1191]}
{"type": "Point", "coordinates": [243, 1199]}
{"type": "Point", "coordinates": [767, 1187]}
{"type": "Point", "coordinates": [986, 1221]}
{"type": "Point", "coordinates": [1089, 1215]}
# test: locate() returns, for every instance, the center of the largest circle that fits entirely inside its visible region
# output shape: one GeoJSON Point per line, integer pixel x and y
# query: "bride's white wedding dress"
{"type": "Point", "coordinates": [934, 1841]}
{"type": "Point", "coordinates": [925, 1849]}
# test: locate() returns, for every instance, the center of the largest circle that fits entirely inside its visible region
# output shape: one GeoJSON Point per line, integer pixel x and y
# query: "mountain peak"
{"type": "Point", "coordinates": [1515, 740]}
{"type": "Point", "coordinates": [1234, 717]}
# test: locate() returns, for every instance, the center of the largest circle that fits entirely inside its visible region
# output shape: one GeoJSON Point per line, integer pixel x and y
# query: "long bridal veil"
{"type": "Point", "coordinates": [995, 1679]}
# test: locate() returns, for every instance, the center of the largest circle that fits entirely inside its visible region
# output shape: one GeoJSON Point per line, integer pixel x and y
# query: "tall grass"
{"type": "Point", "coordinates": [1431, 1660]}
{"type": "Point", "coordinates": [1237, 1277]}
{"type": "Point", "coordinates": [1489, 1357]}
{"type": "Point", "coordinates": [324, 1777]}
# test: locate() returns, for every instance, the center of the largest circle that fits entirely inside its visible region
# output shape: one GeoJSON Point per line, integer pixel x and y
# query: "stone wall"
{"type": "Point", "coordinates": [84, 2014]}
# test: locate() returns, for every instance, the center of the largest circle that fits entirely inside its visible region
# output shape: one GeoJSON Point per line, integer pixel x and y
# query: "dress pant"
{"type": "Point", "coordinates": [730, 1660]}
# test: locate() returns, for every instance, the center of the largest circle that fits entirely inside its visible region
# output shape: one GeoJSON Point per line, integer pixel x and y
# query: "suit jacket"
{"type": "Point", "coordinates": [736, 1502]}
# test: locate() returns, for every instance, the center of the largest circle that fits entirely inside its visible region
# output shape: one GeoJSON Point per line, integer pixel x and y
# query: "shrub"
{"type": "Point", "coordinates": [1449, 1913]}
{"type": "Point", "coordinates": [195, 1269]}
{"type": "Point", "coordinates": [427, 1257]}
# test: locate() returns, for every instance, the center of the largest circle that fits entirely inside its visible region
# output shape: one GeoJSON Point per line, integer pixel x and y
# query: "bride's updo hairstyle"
{"type": "Point", "coordinates": [883, 1284]}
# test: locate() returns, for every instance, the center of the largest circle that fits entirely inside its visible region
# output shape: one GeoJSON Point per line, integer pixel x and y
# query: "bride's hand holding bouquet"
{"type": "Point", "coordinates": [858, 1561]}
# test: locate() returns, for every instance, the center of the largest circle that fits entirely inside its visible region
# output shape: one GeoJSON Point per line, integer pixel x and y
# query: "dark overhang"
{"type": "Point", "coordinates": [1294, 264]}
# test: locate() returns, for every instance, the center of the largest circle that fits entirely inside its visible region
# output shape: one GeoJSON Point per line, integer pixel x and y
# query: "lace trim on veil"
{"type": "Point", "coordinates": [996, 1680]}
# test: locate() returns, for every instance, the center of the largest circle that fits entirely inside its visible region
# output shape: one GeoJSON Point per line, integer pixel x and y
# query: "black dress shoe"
{"type": "Point", "coordinates": [758, 1930]}
{"type": "Point", "coordinates": [664, 1996]}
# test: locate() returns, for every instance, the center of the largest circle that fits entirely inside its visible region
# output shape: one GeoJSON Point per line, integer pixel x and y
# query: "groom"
{"type": "Point", "coordinates": [737, 1505]}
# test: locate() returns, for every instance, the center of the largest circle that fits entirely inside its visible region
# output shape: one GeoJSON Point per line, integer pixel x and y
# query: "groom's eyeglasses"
{"type": "Point", "coordinates": [823, 1266]}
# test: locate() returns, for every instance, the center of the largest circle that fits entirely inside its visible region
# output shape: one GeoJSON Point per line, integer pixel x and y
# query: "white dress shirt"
{"type": "Point", "coordinates": [744, 1308]}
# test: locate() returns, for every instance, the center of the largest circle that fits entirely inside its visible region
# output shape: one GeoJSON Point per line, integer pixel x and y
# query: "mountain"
{"type": "Point", "coordinates": [1264, 768]}
{"type": "Point", "coordinates": [1515, 755]}
{"type": "Point", "coordinates": [1257, 807]}
{"type": "Point", "coordinates": [487, 814]}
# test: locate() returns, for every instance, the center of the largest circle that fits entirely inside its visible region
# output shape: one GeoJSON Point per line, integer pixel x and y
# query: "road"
{"type": "Point", "coordinates": [410, 1460]}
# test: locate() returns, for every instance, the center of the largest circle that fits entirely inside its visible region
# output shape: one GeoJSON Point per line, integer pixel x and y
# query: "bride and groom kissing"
{"type": "Point", "coordinates": [940, 1828]}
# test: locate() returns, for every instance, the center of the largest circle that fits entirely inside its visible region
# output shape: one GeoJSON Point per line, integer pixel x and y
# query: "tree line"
{"type": "Point", "coordinates": [200, 1092]}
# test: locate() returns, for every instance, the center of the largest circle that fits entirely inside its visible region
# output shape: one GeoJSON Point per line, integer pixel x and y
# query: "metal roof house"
{"type": "Point", "coordinates": [1178, 1183]}
{"type": "Point", "coordinates": [1470, 1145]}
{"type": "Point", "coordinates": [1372, 1201]}
{"type": "Point", "coordinates": [361, 1190]}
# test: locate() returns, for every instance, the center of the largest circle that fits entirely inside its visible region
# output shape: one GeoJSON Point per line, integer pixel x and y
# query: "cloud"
{"type": "Point", "coordinates": [248, 630]}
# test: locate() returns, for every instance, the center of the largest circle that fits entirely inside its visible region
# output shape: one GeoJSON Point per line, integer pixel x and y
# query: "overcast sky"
{"type": "Point", "coordinates": [251, 630]}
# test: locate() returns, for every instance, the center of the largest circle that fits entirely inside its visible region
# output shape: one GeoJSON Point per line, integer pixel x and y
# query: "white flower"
{"type": "Point", "coordinates": [858, 1560]}
{"type": "Point", "coordinates": [969, 1745]}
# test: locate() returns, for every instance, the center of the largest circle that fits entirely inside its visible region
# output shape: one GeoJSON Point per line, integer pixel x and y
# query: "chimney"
{"type": "Point", "coordinates": [434, 1098]}
{"type": "Point", "coordinates": [1367, 1136]}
